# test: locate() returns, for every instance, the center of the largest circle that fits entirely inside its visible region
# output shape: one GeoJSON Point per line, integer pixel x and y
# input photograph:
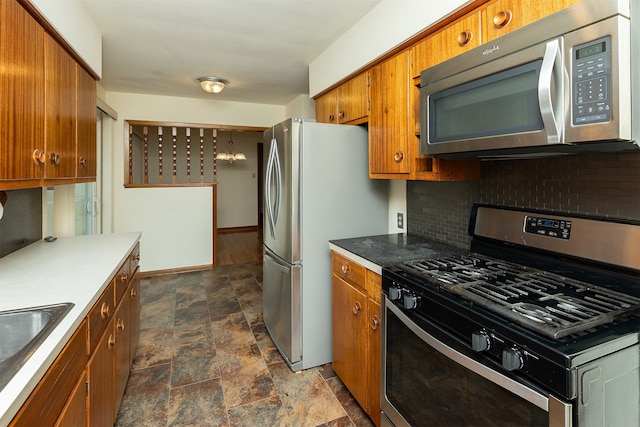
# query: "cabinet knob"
{"type": "Point", "coordinates": [465, 37]}
{"type": "Point", "coordinates": [120, 325]}
{"type": "Point", "coordinates": [133, 293]}
{"type": "Point", "coordinates": [104, 310]}
{"type": "Point", "coordinates": [502, 18]}
{"type": "Point", "coordinates": [375, 322]}
{"type": "Point", "coordinates": [54, 159]}
{"type": "Point", "coordinates": [341, 115]}
{"type": "Point", "coordinates": [83, 162]}
{"type": "Point", "coordinates": [38, 157]}
{"type": "Point", "coordinates": [111, 342]}
{"type": "Point", "coordinates": [346, 268]}
{"type": "Point", "coordinates": [356, 308]}
{"type": "Point", "coordinates": [123, 278]}
{"type": "Point", "coordinates": [398, 156]}
{"type": "Point", "coordinates": [331, 117]}
{"type": "Point", "coordinates": [136, 257]}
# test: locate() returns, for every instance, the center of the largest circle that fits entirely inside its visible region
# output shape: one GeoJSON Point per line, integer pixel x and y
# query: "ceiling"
{"type": "Point", "coordinates": [262, 47]}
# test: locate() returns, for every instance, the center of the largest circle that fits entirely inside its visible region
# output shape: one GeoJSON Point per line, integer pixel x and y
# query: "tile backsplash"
{"type": "Point", "coordinates": [606, 185]}
{"type": "Point", "coordinates": [21, 223]}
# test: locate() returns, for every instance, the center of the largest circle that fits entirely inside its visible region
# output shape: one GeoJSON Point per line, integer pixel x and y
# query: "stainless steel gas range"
{"type": "Point", "coordinates": [538, 324]}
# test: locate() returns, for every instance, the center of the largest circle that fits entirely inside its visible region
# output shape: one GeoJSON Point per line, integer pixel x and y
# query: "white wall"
{"type": "Point", "coordinates": [303, 107]}
{"type": "Point", "coordinates": [238, 181]}
{"type": "Point", "coordinates": [176, 223]}
{"type": "Point", "coordinates": [73, 22]}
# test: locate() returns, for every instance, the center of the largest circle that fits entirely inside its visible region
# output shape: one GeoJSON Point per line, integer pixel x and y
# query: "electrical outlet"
{"type": "Point", "coordinates": [400, 220]}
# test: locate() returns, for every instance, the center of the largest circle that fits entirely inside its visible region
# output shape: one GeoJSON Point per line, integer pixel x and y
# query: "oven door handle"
{"type": "Point", "coordinates": [495, 377]}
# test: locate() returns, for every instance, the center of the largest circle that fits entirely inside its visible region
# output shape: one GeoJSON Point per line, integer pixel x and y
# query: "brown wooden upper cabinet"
{"type": "Point", "coordinates": [464, 34]}
{"type": "Point", "coordinates": [21, 96]}
{"type": "Point", "coordinates": [503, 16]}
{"type": "Point", "coordinates": [86, 149]}
{"type": "Point", "coordinates": [60, 111]}
{"type": "Point", "coordinates": [47, 107]}
{"type": "Point", "coordinates": [389, 147]}
{"type": "Point", "coordinates": [348, 103]}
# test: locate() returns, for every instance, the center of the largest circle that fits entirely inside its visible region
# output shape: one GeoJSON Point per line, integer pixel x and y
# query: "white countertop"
{"type": "Point", "coordinates": [70, 269]}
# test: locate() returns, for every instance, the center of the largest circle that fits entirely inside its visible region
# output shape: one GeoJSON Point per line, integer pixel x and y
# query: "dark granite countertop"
{"type": "Point", "coordinates": [387, 249]}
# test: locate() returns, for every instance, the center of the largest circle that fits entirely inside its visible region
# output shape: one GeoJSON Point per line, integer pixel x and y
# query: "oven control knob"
{"type": "Point", "coordinates": [480, 341]}
{"type": "Point", "coordinates": [512, 359]}
{"type": "Point", "coordinates": [395, 293]}
{"type": "Point", "coordinates": [411, 301]}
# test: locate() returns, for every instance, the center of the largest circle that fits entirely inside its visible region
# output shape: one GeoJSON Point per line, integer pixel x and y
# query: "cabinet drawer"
{"type": "Point", "coordinates": [47, 401]}
{"type": "Point", "coordinates": [348, 270]}
{"type": "Point", "coordinates": [122, 280]}
{"type": "Point", "coordinates": [100, 315]}
{"type": "Point", "coordinates": [135, 259]}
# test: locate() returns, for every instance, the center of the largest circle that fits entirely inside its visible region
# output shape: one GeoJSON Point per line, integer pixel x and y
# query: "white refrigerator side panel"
{"type": "Point", "coordinates": [338, 200]}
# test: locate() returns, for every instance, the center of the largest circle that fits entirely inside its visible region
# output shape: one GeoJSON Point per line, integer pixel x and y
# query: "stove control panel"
{"type": "Point", "coordinates": [551, 227]}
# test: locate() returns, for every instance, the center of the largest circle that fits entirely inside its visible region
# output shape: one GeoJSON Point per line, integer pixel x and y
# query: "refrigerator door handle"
{"type": "Point", "coordinates": [273, 172]}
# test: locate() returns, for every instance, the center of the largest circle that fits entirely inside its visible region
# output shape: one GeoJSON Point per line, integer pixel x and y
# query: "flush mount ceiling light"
{"type": "Point", "coordinates": [212, 84]}
{"type": "Point", "coordinates": [230, 156]}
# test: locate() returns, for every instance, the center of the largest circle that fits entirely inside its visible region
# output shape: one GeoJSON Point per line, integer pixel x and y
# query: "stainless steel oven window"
{"type": "Point", "coordinates": [426, 383]}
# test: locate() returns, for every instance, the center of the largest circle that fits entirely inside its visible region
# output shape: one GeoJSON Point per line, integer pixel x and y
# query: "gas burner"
{"type": "Point", "coordinates": [550, 304]}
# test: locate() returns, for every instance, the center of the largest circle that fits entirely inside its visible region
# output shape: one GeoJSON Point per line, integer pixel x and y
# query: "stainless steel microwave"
{"type": "Point", "coordinates": [562, 84]}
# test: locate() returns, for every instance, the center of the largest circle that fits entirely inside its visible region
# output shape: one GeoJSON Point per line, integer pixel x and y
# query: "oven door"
{"type": "Point", "coordinates": [428, 382]}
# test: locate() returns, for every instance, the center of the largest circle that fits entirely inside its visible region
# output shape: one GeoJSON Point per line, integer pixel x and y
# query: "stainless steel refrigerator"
{"type": "Point", "coordinates": [316, 189]}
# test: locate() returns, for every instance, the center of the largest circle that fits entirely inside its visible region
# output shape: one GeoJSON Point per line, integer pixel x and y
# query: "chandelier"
{"type": "Point", "coordinates": [230, 156]}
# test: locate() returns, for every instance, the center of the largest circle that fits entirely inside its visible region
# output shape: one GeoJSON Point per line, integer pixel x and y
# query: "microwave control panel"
{"type": "Point", "coordinates": [592, 82]}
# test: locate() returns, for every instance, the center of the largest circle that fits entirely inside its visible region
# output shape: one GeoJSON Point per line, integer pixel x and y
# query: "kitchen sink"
{"type": "Point", "coordinates": [21, 333]}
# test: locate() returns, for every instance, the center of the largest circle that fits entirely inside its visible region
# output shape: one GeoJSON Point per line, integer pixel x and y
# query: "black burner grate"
{"type": "Point", "coordinates": [548, 303]}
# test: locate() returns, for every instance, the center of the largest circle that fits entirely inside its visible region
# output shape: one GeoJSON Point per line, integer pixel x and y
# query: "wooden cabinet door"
{"type": "Point", "coordinates": [48, 399]}
{"type": "Point", "coordinates": [503, 16]}
{"type": "Point", "coordinates": [21, 94]}
{"type": "Point", "coordinates": [353, 99]}
{"type": "Point", "coordinates": [389, 117]}
{"type": "Point", "coordinates": [60, 111]}
{"type": "Point", "coordinates": [86, 125]}
{"type": "Point", "coordinates": [462, 35]}
{"type": "Point", "coordinates": [100, 374]}
{"type": "Point", "coordinates": [134, 316]}
{"type": "Point", "coordinates": [327, 107]}
{"type": "Point", "coordinates": [349, 328]}
{"type": "Point", "coordinates": [121, 351]}
{"type": "Point", "coordinates": [74, 413]}
{"type": "Point", "coordinates": [373, 371]}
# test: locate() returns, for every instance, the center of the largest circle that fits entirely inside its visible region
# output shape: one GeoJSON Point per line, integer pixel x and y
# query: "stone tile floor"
{"type": "Point", "coordinates": [206, 359]}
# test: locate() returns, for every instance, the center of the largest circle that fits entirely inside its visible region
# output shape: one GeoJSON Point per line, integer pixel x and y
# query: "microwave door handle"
{"type": "Point", "coordinates": [551, 70]}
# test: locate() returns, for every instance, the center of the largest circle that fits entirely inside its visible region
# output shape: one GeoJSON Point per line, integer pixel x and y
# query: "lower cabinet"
{"type": "Point", "coordinates": [121, 349]}
{"type": "Point", "coordinates": [356, 331]}
{"type": "Point", "coordinates": [86, 383]}
{"type": "Point", "coordinates": [74, 413]}
{"type": "Point", "coordinates": [101, 388]}
{"type": "Point", "coordinates": [47, 402]}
